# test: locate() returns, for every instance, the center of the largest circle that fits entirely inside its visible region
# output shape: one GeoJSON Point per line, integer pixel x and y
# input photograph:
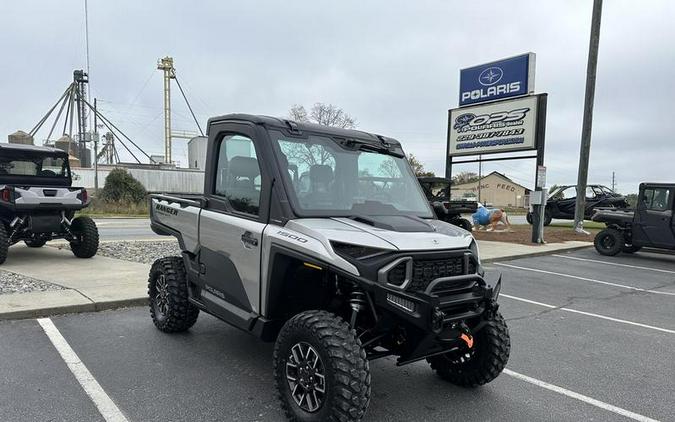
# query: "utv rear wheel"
{"type": "Point", "coordinates": [85, 233]}
{"type": "Point", "coordinates": [170, 309]}
{"type": "Point", "coordinates": [4, 243]}
{"type": "Point", "coordinates": [547, 218]}
{"type": "Point", "coordinates": [320, 369]}
{"type": "Point", "coordinates": [35, 243]}
{"type": "Point", "coordinates": [609, 242]}
{"type": "Point", "coordinates": [485, 361]}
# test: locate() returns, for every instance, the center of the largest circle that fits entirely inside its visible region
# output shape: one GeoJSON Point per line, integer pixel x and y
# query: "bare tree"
{"type": "Point", "coordinates": [464, 177]}
{"type": "Point", "coordinates": [418, 167]}
{"type": "Point", "coordinates": [323, 114]}
{"type": "Point", "coordinates": [298, 113]}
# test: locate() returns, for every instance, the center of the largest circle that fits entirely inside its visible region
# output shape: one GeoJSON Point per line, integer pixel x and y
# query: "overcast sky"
{"type": "Point", "coordinates": [393, 65]}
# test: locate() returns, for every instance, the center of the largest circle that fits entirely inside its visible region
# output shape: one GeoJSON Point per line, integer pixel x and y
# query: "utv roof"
{"type": "Point", "coordinates": [288, 124]}
{"type": "Point", "coordinates": [32, 148]}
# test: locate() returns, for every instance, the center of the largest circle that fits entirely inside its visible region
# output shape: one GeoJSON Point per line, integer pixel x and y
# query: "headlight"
{"type": "Point", "coordinates": [349, 250]}
{"type": "Point", "coordinates": [474, 250]}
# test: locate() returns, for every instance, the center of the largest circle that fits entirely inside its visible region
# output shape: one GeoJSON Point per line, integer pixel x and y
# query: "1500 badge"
{"type": "Point", "coordinates": [292, 236]}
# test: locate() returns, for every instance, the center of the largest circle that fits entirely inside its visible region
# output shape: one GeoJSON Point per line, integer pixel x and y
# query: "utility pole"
{"type": "Point", "coordinates": [166, 65]}
{"type": "Point", "coordinates": [586, 130]}
{"type": "Point", "coordinates": [613, 182]}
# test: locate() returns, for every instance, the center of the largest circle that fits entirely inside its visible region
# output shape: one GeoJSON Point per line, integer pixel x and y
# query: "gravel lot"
{"type": "Point", "coordinates": [145, 252]}
{"type": "Point", "coordinates": [14, 283]}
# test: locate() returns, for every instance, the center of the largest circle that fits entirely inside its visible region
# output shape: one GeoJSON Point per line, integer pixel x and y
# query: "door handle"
{"type": "Point", "coordinates": [248, 240]}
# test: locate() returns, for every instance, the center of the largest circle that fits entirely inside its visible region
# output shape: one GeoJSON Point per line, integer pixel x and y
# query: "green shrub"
{"type": "Point", "coordinates": [121, 187]}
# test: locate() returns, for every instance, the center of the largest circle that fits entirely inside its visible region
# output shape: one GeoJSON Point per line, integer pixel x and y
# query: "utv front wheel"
{"type": "Point", "coordinates": [463, 223]}
{"type": "Point", "coordinates": [609, 242]}
{"type": "Point", "coordinates": [170, 309]}
{"type": "Point", "coordinates": [483, 363]}
{"type": "Point", "coordinates": [320, 369]}
{"type": "Point", "coordinates": [85, 237]}
{"type": "Point", "coordinates": [4, 243]}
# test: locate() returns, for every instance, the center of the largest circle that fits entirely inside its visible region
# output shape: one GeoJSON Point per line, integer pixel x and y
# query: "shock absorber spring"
{"type": "Point", "coordinates": [358, 302]}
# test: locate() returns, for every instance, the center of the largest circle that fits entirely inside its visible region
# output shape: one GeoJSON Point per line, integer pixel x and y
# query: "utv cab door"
{"type": "Point", "coordinates": [654, 218]}
{"type": "Point", "coordinates": [232, 224]}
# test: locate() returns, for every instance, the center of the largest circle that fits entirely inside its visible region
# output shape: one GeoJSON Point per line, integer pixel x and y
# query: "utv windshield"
{"type": "Point", "coordinates": [24, 164]}
{"type": "Point", "coordinates": [325, 178]}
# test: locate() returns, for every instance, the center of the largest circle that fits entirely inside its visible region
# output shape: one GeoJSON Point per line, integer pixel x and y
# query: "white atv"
{"type": "Point", "coordinates": [38, 203]}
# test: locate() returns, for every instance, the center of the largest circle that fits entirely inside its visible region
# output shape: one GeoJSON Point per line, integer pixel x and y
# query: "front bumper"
{"type": "Point", "coordinates": [438, 309]}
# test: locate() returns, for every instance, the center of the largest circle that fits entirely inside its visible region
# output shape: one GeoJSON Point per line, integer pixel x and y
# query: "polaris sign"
{"type": "Point", "coordinates": [498, 80]}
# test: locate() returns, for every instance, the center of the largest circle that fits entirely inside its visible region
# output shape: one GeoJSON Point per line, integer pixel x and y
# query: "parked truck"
{"type": "Point", "coordinates": [320, 239]}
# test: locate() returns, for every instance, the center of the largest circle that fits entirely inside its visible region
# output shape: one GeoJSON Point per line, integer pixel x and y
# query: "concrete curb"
{"type": "Point", "coordinates": [75, 308]}
{"type": "Point", "coordinates": [533, 254]}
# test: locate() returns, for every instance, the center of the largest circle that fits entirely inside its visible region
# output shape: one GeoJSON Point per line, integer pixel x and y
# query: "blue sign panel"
{"type": "Point", "coordinates": [506, 78]}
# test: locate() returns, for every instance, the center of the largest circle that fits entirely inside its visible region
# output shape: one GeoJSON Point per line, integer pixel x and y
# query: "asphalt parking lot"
{"type": "Point", "coordinates": [592, 339]}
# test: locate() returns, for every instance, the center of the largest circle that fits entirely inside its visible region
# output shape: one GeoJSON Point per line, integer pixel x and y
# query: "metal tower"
{"type": "Point", "coordinates": [166, 65]}
{"type": "Point", "coordinates": [80, 81]}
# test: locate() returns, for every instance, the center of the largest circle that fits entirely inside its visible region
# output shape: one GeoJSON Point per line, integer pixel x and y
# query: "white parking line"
{"type": "Point", "coordinates": [103, 402]}
{"type": "Point", "coordinates": [597, 261]}
{"type": "Point", "coordinates": [592, 280]}
{"type": "Point", "coordinates": [580, 397]}
{"type": "Point", "coordinates": [621, 321]}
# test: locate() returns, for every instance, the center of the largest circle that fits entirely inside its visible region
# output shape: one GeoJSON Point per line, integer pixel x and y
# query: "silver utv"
{"type": "Point", "coordinates": [321, 240]}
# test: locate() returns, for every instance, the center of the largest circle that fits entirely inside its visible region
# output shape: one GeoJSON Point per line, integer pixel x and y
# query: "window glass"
{"type": "Point", "coordinates": [328, 179]}
{"type": "Point", "coordinates": [238, 174]}
{"type": "Point", "coordinates": [656, 199]}
{"type": "Point", "coordinates": [566, 193]}
{"type": "Point", "coordinates": [25, 164]}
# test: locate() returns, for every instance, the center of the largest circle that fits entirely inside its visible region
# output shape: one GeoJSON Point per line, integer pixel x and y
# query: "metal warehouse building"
{"type": "Point", "coordinates": [496, 190]}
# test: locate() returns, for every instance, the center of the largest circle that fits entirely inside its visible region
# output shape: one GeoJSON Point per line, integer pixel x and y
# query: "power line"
{"type": "Point", "coordinates": [188, 105]}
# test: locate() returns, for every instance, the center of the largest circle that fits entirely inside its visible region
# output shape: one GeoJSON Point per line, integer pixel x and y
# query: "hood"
{"type": "Point", "coordinates": [414, 235]}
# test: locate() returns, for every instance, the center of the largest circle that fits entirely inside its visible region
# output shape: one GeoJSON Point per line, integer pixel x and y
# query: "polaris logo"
{"type": "Point", "coordinates": [491, 91]}
{"type": "Point", "coordinates": [490, 76]}
{"type": "Point", "coordinates": [166, 209]}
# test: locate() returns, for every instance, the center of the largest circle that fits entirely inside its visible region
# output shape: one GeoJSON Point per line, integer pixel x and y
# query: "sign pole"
{"type": "Point", "coordinates": [539, 211]}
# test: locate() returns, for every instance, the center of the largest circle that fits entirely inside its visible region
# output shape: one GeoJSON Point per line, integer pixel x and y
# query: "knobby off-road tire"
{"type": "Point", "coordinates": [492, 348]}
{"type": "Point", "coordinates": [323, 354]}
{"type": "Point", "coordinates": [609, 242]}
{"type": "Point", "coordinates": [85, 244]}
{"type": "Point", "coordinates": [170, 309]}
{"type": "Point", "coordinates": [547, 218]}
{"type": "Point", "coordinates": [4, 243]}
{"type": "Point", "coordinates": [463, 223]}
{"type": "Point", "coordinates": [35, 243]}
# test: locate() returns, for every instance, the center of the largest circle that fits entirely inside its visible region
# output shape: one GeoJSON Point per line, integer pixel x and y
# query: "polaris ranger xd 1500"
{"type": "Point", "coordinates": [37, 202]}
{"type": "Point", "coordinates": [321, 239]}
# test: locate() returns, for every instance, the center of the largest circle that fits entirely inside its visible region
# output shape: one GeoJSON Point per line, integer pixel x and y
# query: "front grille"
{"type": "Point", "coordinates": [427, 270]}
